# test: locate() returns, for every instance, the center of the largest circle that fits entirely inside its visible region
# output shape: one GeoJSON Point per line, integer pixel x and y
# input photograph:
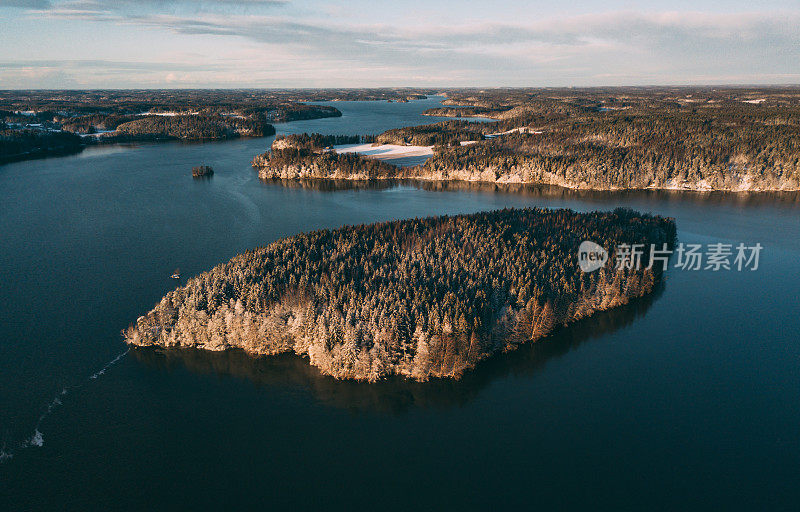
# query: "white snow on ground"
{"type": "Point", "coordinates": [98, 133]}
{"type": "Point", "coordinates": [415, 154]}
{"type": "Point", "coordinates": [395, 154]}
{"type": "Point", "coordinates": [168, 114]}
{"type": "Point", "coordinates": [385, 151]}
{"type": "Point", "coordinates": [521, 129]}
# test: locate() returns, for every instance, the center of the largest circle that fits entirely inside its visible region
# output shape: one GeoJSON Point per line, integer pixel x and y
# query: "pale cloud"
{"type": "Point", "coordinates": [267, 48]}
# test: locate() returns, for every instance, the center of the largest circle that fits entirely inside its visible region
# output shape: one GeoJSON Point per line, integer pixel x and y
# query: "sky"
{"type": "Point", "coordinates": [80, 44]}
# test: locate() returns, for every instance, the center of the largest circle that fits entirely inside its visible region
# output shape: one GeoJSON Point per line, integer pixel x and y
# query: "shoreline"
{"type": "Point", "coordinates": [299, 175]}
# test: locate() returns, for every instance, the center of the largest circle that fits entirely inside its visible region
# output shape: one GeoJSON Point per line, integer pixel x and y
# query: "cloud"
{"type": "Point", "coordinates": [575, 31]}
{"type": "Point", "coordinates": [27, 4]}
{"type": "Point", "coordinates": [667, 37]}
{"type": "Point", "coordinates": [592, 49]}
{"type": "Point", "coordinates": [104, 8]}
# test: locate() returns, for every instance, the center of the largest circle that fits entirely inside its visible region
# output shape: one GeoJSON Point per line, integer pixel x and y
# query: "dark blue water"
{"type": "Point", "coordinates": [686, 400]}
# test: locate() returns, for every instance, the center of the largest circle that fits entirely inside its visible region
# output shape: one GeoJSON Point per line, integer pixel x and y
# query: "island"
{"type": "Point", "coordinates": [419, 298]}
{"type": "Point", "coordinates": [723, 139]}
{"type": "Point", "coordinates": [202, 171]}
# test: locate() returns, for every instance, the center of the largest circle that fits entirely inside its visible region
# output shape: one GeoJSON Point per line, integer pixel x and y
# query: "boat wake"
{"type": "Point", "coordinates": [37, 439]}
{"type": "Point", "coordinates": [4, 455]}
{"type": "Point", "coordinates": [108, 365]}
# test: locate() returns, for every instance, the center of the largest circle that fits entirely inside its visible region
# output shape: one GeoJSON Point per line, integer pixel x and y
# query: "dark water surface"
{"type": "Point", "coordinates": [686, 400]}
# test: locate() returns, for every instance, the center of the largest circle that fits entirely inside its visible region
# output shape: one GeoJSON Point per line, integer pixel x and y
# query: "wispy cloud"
{"type": "Point", "coordinates": [598, 48]}
{"type": "Point", "coordinates": [664, 38]}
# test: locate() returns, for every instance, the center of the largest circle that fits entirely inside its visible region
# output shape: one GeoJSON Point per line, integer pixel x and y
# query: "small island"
{"type": "Point", "coordinates": [417, 298]}
{"type": "Point", "coordinates": [202, 171]}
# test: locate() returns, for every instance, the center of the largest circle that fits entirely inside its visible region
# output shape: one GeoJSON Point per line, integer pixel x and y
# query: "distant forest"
{"type": "Point", "coordinates": [26, 144]}
{"type": "Point", "coordinates": [317, 142]}
{"type": "Point", "coordinates": [419, 298]}
{"type": "Point", "coordinates": [465, 111]}
{"type": "Point", "coordinates": [447, 133]}
{"type": "Point", "coordinates": [41, 123]}
{"type": "Point", "coordinates": [660, 138]}
{"type": "Point", "coordinates": [723, 151]}
{"type": "Point", "coordinates": [196, 127]}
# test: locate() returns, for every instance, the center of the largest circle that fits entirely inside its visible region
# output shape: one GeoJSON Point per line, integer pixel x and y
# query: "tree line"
{"type": "Point", "coordinates": [446, 133]}
{"type": "Point", "coordinates": [318, 142]}
{"type": "Point", "coordinates": [26, 144]}
{"type": "Point", "coordinates": [293, 163]}
{"type": "Point", "coordinates": [667, 150]}
{"type": "Point", "coordinates": [196, 127]}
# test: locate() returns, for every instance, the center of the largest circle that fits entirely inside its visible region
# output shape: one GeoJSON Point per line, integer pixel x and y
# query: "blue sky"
{"type": "Point", "coordinates": [288, 43]}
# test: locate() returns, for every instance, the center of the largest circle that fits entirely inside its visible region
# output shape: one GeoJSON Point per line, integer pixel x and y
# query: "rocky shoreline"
{"type": "Point", "coordinates": [491, 176]}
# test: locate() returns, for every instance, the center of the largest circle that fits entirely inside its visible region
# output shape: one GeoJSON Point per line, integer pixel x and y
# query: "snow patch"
{"type": "Point", "coordinates": [385, 151]}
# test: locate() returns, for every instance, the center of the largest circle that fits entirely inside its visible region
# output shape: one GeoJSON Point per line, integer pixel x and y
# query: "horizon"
{"type": "Point", "coordinates": [279, 44]}
{"type": "Point", "coordinates": [435, 89]}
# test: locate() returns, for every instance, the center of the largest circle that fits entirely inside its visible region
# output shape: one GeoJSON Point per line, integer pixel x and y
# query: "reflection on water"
{"type": "Point", "coordinates": [333, 185]}
{"type": "Point", "coordinates": [396, 395]}
{"type": "Point", "coordinates": [556, 192]}
{"type": "Point", "coordinates": [705, 199]}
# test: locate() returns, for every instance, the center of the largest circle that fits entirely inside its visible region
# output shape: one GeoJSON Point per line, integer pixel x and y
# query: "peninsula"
{"type": "Point", "coordinates": [416, 298]}
{"type": "Point", "coordinates": [597, 139]}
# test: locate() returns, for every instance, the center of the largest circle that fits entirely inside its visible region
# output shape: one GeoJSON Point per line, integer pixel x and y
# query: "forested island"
{"type": "Point", "coordinates": [49, 123]}
{"type": "Point", "coordinates": [416, 298]}
{"type": "Point", "coordinates": [600, 139]}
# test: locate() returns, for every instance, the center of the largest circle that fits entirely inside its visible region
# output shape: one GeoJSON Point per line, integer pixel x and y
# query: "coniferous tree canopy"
{"type": "Point", "coordinates": [627, 138]}
{"type": "Point", "coordinates": [24, 144]}
{"type": "Point", "coordinates": [196, 127]}
{"type": "Point", "coordinates": [419, 298]}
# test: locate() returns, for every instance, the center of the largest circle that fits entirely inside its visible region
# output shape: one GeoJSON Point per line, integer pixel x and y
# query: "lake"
{"type": "Point", "coordinates": [688, 399]}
